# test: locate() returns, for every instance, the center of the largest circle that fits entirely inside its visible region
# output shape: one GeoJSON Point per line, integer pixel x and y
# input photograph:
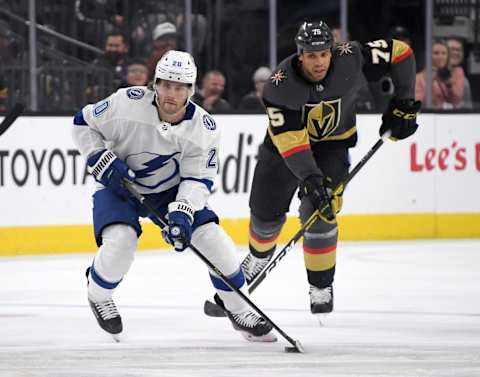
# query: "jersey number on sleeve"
{"type": "Point", "coordinates": [378, 51]}
{"type": "Point", "coordinates": [276, 117]}
{"type": "Point", "coordinates": [212, 159]}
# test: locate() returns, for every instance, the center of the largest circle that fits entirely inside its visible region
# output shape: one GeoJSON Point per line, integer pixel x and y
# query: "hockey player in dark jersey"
{"type": "Point", "coordinates": [310, 102]}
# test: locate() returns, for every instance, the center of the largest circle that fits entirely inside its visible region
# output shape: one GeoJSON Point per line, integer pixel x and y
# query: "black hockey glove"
{"type": "Point", "coordinates": [400, 118]}
{"type": "Point", "coordinates": [314, 188]}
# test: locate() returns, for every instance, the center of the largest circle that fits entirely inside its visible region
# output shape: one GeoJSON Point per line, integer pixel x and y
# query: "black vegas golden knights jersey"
{"type": "Point", "coordinates": [305, 116]}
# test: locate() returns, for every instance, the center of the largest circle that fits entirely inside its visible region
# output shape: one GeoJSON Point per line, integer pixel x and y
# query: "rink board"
{"type": "Point", "coordinates": [423, 187]}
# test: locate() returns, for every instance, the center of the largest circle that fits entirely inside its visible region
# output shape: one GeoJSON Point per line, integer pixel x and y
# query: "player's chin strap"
{"type": "Point", "coordinates": [297, 346]}
{"type": "Point", "coordinates": [213, 310]}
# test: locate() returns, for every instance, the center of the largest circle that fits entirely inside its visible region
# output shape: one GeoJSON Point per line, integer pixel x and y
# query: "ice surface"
{"type": "Point", "coordinates": [408, 309]}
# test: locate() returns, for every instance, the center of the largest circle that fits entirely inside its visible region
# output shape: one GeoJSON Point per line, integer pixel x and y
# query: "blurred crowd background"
{"type": "Point", "coordinates": [58, 55]}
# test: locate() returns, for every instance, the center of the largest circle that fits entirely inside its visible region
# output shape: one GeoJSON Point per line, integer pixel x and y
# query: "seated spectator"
{"type": "Point", "coordinates": [447, 82]}
{"type": "Point", "coordinates": [109, 71]}
{"type": "Point", "coordinates": [164, 38]}
{"type": "Point", "coordinates": [456, 54]}
{"type": "Point", "coordinates": [253, 100]}
{"type": "Point", "coordinates": [210, 95]}
{"type": "Point", "coordinates": [137, 73]}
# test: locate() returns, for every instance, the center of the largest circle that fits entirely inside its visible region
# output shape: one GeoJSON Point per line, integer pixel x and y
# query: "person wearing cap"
{"type": "Point", "coordinates": [310, 103]}
{"type": "Point", "coordinates": [164, 38]}
{"type": "Point", "coordinates": [253, 100]}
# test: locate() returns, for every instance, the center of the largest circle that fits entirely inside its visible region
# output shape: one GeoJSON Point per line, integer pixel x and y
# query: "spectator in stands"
{"type": "Point", "coordinates": [109, 71]}
{"type": "Point", "coordinates": [116, 50]}
{"type": "Point", "coordinates": [137, 73]}
{"type": "Point", "coordinates": [253, 100]}
{"type": "Point", "coordinates": [456, 57]}
{"type": "Point", "coordinates": [164, 39]}
{"type": "Point", "coordinates": [447, 82]}
{"type": "Point", "coordinates": [210, 95]}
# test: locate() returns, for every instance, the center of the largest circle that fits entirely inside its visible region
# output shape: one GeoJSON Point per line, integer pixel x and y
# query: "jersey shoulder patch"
{"type": "Point", "coordinates": [285, 88]}
{"type": "Point", "coordinates": [135, 93]}
{"type": "Point", "coordinates": [278, 77]}
{"type": "Point", "coordinates": [208, 122]}
{"type": "Point", "coordinates": [343, 49]}
{"type": "Point", "coordinates": [100, 107]}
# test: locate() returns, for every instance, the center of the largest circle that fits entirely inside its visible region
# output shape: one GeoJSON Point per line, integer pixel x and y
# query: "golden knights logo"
{"type": "Point", "coordinates": [322, 118]}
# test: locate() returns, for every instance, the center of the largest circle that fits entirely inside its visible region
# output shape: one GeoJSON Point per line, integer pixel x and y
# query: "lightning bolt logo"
{"type": "Point", "coordinates": [152, 167]}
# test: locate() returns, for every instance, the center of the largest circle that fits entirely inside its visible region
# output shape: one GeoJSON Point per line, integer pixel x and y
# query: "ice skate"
{"type": "Point", "coordinates": [252, 327]}
{"type": "Point", "coordinates": [321, 302]}
{"type": "Point", "coordinates": [107, 317]}
{"type": "Point", "coordinates": [252, 266]}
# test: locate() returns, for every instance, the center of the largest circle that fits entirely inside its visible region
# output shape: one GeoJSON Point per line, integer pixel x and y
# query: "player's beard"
{"type": "Point", "coordinates": [170, 108]}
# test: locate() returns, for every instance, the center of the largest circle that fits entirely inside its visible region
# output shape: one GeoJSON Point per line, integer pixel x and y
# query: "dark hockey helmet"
{"type": "Point", "coordinates": [313, 36]}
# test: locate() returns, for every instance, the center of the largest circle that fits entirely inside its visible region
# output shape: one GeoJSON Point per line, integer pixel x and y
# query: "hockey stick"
{"type": "Point", "coordinates": [213, 310]}
{"type": "Point", "coordinates": [11, 117]}
{"type": "Point", "coordinates": [296, 345]}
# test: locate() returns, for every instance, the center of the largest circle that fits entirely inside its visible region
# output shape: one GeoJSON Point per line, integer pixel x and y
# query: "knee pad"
{"type": "Point", "coordinates": [263, 234]}
{"type": "Point", "coordinates": [212, 241]}
{"type": "Point", "coordinates": [116, 254]}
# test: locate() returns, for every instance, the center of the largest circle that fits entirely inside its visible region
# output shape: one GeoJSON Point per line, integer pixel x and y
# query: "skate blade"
{"type": "Point", "coordinates": [267, 338]}
{"type": "Point", "coordinates": [321, 318]}
{"type": "Point", "coordinates": [117, 337]}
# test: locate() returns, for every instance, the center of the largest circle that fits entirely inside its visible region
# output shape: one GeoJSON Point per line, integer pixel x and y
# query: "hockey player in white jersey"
{"type": "Point", "coordinates": [167, 146]}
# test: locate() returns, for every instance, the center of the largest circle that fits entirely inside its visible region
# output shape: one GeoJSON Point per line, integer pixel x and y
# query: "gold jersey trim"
{"type": "Point", "coordinates": [289, 140]}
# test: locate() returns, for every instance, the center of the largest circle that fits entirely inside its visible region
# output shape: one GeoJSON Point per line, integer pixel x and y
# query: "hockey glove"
{"type": "Point", "coordinates": [314, 188]}
{"type": "Point", "coordinates": [400, 118]}
{"type": "Point", "coordinates": [110, 171]}
{"type": "Point", "coordinates": [180, 220]}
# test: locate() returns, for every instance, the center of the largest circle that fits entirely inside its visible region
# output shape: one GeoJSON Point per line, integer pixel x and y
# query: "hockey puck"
{"type": "Point", "coordinates": [297, 348]}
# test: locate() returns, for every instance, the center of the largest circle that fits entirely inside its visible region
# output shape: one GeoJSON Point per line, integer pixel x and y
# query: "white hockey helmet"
{"type": "Point", "coordinates": [177, 66]}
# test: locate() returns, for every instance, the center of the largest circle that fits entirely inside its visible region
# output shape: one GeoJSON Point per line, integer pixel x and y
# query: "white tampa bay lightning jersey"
{"type": "Point", "coordinates": [161, 154]}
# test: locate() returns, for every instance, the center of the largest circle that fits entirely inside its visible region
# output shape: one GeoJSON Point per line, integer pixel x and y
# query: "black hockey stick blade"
{"type": "Point", "coordinates": [11, 116]}
{"type": "Point", "coordinates": [213, 310]}
{"type": "Point", "coordinates": [297, 348]}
